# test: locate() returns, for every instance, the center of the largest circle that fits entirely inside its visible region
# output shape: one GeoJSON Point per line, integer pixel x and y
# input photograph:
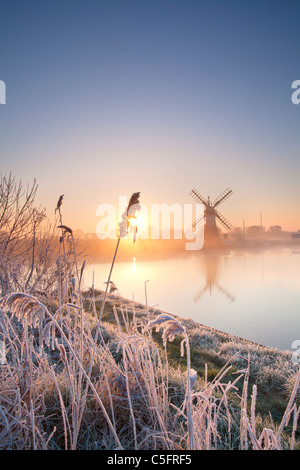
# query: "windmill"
{"type": "Point", "coordinates": [211, 233]}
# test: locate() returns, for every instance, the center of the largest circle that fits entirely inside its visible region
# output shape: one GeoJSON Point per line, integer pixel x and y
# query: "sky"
{"type": "Point", "coordinates": [108, 97]}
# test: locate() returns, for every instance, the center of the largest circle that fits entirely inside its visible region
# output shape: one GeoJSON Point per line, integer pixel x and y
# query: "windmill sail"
{"type": "Point", "coordinates": [222, 219]}
{"type": "Point", "coordinates": [225, 195]}
{"type": "Point", "coordinates": [197, 196]}
{"type": "Point", "coordinates": [196, 222]}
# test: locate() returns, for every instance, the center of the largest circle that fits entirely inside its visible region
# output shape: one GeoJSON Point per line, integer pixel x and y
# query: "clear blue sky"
{"type": "Point", "coordinates": [105, 98]}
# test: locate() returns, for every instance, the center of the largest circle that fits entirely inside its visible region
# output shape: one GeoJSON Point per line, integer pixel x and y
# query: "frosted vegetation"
{"type": "Point", "coordinates": [92, 370]}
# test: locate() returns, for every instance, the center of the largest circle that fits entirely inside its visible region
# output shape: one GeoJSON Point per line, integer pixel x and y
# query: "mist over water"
{"type": "Point", "coordinates": [253, 294]}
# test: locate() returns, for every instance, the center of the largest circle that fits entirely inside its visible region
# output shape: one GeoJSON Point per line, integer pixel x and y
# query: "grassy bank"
{"type": "Point", "coordinates": [68, 384]}
{"type": "Point", "coordinates": [272, 370]}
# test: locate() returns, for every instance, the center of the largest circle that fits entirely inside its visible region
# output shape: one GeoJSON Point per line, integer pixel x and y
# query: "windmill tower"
{"type": "Point", "coordinates": [212, 237]}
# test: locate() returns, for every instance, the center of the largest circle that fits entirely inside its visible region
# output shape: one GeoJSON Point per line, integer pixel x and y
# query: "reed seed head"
{"type": "Point", "coordinates": [59, 202]}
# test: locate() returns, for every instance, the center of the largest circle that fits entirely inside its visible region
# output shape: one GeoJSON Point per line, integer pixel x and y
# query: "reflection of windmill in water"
{"type": "Point", "coordinates": [211, 261]}
{"type": "Point", "coordinates": [212, 237]}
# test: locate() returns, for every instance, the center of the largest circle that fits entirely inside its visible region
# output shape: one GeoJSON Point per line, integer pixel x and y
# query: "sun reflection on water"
{"type": "Point", "coordinates": [133, 266]}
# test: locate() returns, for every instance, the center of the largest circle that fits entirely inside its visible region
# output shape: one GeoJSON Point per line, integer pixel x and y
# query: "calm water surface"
{"type": "Point", "coordinates": [252, 294]}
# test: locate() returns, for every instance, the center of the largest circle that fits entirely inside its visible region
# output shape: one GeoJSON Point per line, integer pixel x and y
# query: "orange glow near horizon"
{"type": "Point", "coordinates": [133, 266]}
{"type": "Point", "coordinates": [245, 206]}
{"type": "Point", "coordinates": [288, 220]}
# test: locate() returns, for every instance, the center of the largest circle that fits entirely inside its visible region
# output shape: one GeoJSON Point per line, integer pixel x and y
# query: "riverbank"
{"type": "Point", "coordinates": [271, 370]}
{"type": "Point", "coordinates": [69, 381]}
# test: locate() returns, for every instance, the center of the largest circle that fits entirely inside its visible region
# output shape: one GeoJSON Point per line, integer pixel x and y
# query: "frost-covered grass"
{"type": "Point", "coordinates": [272, 370]}
{"type": "Point", "coordinates": [59, 389]}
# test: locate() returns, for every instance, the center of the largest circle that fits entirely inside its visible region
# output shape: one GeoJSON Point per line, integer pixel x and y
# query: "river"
{"type": "Point", "coordinates": [254, 294]}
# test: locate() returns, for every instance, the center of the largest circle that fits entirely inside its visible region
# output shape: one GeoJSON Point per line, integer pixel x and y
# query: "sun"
{"type": "Point", "coordinates": [133, 221]}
